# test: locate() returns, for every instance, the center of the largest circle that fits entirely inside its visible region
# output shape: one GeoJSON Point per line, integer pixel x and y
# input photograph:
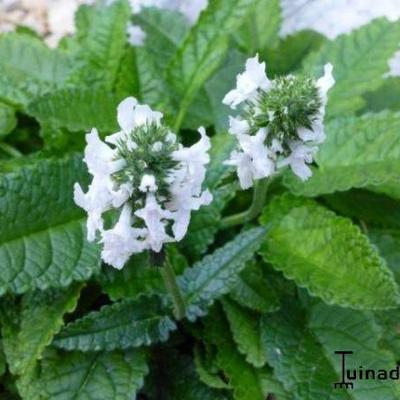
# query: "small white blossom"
{"type": "Point", "coordinates": [148, 184]}
{"type": "Point", "coordinates": [155, 219]}
{"type": "Point", "coordinates": [122, 240]}
{"type": "Point", "coordinates": [269, 134]}
{"type": "Point", "coordinates": [136, 35]}
{"type": "Point", "coordinates": [154, 195]}
{"type": "Point", "coordinates": [298, 159]}
{"type": "Point", "coordinates": [248, 83]}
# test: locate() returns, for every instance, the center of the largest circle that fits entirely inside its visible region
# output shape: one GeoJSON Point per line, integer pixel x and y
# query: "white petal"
{"type": "Point", "coordinates": [125, 114]}
{"type": "Point", "coordinates": [136, 35]}
{"type": "Point", "coordinates": [120, 242]}
{"type": "Point", "coordinates": [148, 184]}
{"type": "Point", "coordinates": [238, 126]}
{"type": "Point", "coordinates": [143, 115]}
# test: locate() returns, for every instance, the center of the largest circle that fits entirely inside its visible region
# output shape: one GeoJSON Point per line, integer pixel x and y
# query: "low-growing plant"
{"type": "Point", "coordinates": [207, 213]}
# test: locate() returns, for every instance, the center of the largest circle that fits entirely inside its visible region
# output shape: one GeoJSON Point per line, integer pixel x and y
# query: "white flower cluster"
{"type": "Point", "coordinates": [145, 174]}
{"type": "Point", "coordinates": [334, 17]}
{"type": "Point", "coordinates": [53, 19]}
{"type": "Point", "coordinates": [264, 140]}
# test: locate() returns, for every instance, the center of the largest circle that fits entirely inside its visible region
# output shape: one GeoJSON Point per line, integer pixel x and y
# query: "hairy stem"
{"type": "Point", "coordinates": [259, 195]}
{"type": "Point", "coordinates": [168, 275]}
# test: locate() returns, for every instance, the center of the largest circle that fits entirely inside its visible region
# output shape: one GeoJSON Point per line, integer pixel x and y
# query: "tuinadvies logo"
{"type": "Point", "coordinates": [350, 376]}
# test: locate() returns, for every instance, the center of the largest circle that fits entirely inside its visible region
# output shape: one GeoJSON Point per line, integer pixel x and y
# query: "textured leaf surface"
{"type": "Point", "coordinates": [118, 326]}
{"type": "Point", "coordinates": [358, 152]}
{"type": "Point", "coordinates": [165, 31]}
{"type": "Point", "coordinates": [8, 120]}
{"type": "Point", "coordinates": [255, 289]}
{"type": "Point", "coordinates": [297, 358]}
{"type": "Point", "coordinates": [102, 40]}
{"type": "Point", "coordinates": [360, 60]}
{"type": "Point", "coordinates": [77, 109]}
{"type": "Point", "coordinates": [42, 234]}
{"type": "Point", "coordinates": [94, 376]}
{"type": "Point", "coordinates": [359, 332]}
{"type": "Point", "coordinates": [217, 273]}
{"type": "Point", "coordinates": [328, 255]}
{"type": "Point", "coordinates": [245, 327]}
{"type": "Point", "coordinates": [261, 28]}
{"type": "Point", "coordinates": [204, 49]}
{"type": "Point", "coordinates": [28, 67]}
{"type": "Point", "coordinates": [242, 377]}
{"type": "Point", "coordinates": [40, 318]}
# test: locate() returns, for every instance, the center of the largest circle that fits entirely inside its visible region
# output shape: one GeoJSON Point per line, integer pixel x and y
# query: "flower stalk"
{"type": "Point", "coordinates": [259, 196]}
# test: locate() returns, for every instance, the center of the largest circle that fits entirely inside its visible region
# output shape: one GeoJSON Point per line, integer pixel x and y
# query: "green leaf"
{"type": "Point", "coordinates": [165, 31]}
{"type": "Point", "coordinates": [8, 120]}
{"type": "Point", "coordinates": [28, 67]}
{"type": "Point", "coordinates": [357, 153]}
{"type": "Point", "coordinates": [101, 44]}
{"type": "Point", "coordinates": [261, 28]}
{"type": "Point", "coordinates": [152, 87]}
{"type": "Point", "coordinates": [40, 318]}
{"type": "Point", "coordinates": [127, 83]}
{"type": "Point", "coordinates": [95, 376]}
{"type": "Point", "coordinates": [174, 377]}
{"type": "Point", "coordinates": [302, 353]}
{"type": "Point", "coordinates": [217, 87]}
{"type": "Point", "coordinates": [77, 109]}
{"type": "Point", "coordinates": [294, 354]}
{"type": "Point", "coordinates": [377, 210]}
{"type": "Point", "coordinates": [327, 255]}
{"type": "Point", "coordinates": [256, 289]}
{"type": "Point", "coordinates": [42, 234]}
{"type": "Point", "coordinates": [359, 332]}
{"type": "Point", "coordinates": [291, 51]}
{"type": "Point", "coordinates": [242, 377]}
{"type": "Point", "coordinates": [388, 243]}
{"type": "Point", "coordinates": [203, 50]}
{"type": "Point", "coordinates": [360, 60]}
{"type": "Point", "coordinates": [207, 369]}
{"type": "Point", "coordinates": [387, 97]}
{"type": "Point", "coordinates": [245, 327]}
{"type": "Point", "coordinates": [217, 273]}
{"type": "Point", "coordinates": [121, 325]}
{"type": "Point", "coordinates": [390, 329]}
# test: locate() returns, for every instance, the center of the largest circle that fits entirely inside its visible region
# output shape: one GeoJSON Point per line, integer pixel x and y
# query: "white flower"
{"type": "Point", "coordinates": [254, 161]}
{"type": "Point", "coordinates": [127, 175]}
{"type": "Point", "coordinates": [317, 133]}
{"type": "Point", "coordinates": [248, 82]}
{"type": "Point", "coordinates": [148, 184]}
{"type": "Point", "coordinates": [136, 35]}
{"type": "Point", "coordinates": [192, 9]}
{"type": "Point", "coordinates": [269, 113]}
{"type": "Point", "coordinates": [300, 156]}
{"type": "Point", "coordinates": [334, 17]}
{"type": "Point", "coordinates": [99, 157]}
{"type": "Point", "coordinates": [121, 241]}
{"type": "Point", "coordinates": [243, 164]}
{"type": "Point", "coordinates": [238, 126]}
{"type": "Point", "coordinates": [95, 202]}
{"type": "Point", "coordinates": [155, 219]}
{"type": "Point", "coordinates": [194, 159]}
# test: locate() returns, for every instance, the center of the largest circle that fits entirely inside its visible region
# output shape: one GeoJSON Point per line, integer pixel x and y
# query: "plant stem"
{"type": "Point", "coordinates": [168, 275]}
{"type": "Point", "coordinates": [11, 151]}
{"type": "Point", "coordinates": [259, 195]}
